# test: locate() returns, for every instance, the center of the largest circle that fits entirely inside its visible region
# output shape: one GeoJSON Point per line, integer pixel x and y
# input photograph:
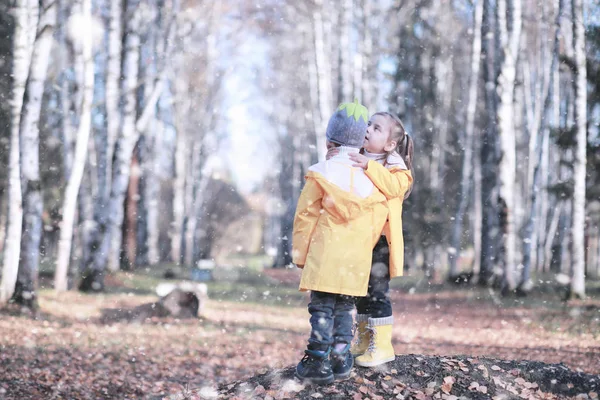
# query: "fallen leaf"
{"type": "Point", "coordinates": [429, 391]}
{"type": "Point", "coordinates": [449, 379]}
{"type": "Point", "coordinates": [387, 378]}
{"type": "Point", "coordinates": [393, 371]}
{"type": "Point", "coordinates": [316, 395]}
{"type": "Point", "coordinates": [482, 389]}
{"type": "Point", "coordinates": [496, 368]}
{"type": "Point", "coordinates": [593, 395]}
{"type": "Point", "coordinates": [515, 372]}
{"type": "Point", "coordinates": [473, 385]}
{"type": "Point", "coordinates": [357, 396]}
{"type": "Point", "coordinates": [363, 389]}
{"type": "Point", "coordinates": [420, 395]}
{"type": "Point", "coordinates": [570, 385]}
{"type": "Point", "coordinates": [446, 387]}
{"type": "Point", "coordinates": [520, 381]}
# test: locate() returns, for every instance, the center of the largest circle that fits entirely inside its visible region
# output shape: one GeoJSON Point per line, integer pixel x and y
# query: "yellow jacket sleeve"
{"type": "Point", "coordinates": [392, 183]}
{"type": "Point", "coordinates": [305, 220]}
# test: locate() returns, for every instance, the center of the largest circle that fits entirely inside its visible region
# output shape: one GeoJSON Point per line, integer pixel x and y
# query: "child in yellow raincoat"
{"type": "Point", "coordinates": [339, 218]}
{"type": "Point", "coordinates": [387, 161]}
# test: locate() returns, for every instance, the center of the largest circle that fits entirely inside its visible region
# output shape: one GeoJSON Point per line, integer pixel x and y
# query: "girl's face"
{"type": "Point", "coordinates": [377, 139]}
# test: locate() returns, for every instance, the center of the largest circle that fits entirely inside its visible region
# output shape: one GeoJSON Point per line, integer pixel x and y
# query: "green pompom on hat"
{"type": "Point", "coordinates": [348, 125]}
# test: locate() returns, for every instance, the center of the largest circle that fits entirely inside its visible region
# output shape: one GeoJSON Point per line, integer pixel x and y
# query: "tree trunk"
{"type": "Point", "coordinates": [465, 182]}
{"type": "Point", "coordinates": [579, 165]}
{"type": "Point", "coordinates": [489, 221]}
{"type": "Point", "coordinates": [593, 251]}
{"type": "Point", "coordinates": [22, 49]}
{"type": "Point", "coordinates": [113, 77]}
{"type": "Point", "coordinates": [147, 195]}
{"type": "Point", "coordinates": [127, 139]}
{"type": "Point", "coordinates": [152, 193]}
{"type": "Point", "coordinates": [540, 129]}
{"type": "Point", "coordinates": [109, 235]}
{"type": "Point", "coordinates": [545, 251]}
{"type": "Point", "coordinates": [81, 149]}
{"type": "Point", "coordinates": [128, 247]}
{"type": "Point", "coordinates": [323, 69]}
{"type": "Point", "coordinates": [509, 41]}
{"type": "Point", "coordinates": [345, 53]}
{"type": "Point", "coordinates": [26, 285]}
{"type": "Point", "coordinates": [190, 191]}
{"type": "Point", "coordinates": [179, 182]}
{"type": "Point", "coordinates": [549, 240]}
{"type": "Point", "coordinates": [369, 65]}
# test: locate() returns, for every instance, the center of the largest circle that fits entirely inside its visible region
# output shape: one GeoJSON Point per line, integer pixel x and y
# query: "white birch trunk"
{"type": "Point", "coordinates": [81, 149]}
{"type": "Point", "coordinates": [21, 61]}
{"type": "Point", "coordinates": [113, 76]}
{"type": "Point", "coordinates": [509, 41]}
{"type": "Point", "coordinates": [146, 152]}
{"type": "Point", "coordinates": [313, 88]}
{"type": "Point", "coordinates": [182, 108]}
{"type": "Point", "coordinates": [489, 179]}
{"type": "Point", "coordinates": [552, 228]}
{"type": "Point", "coordinates": [579, 165]}
{"type": "Point", "coordinates": [537, 154]}
{"type": "Point", "coordinates": [357, 72]}
{"type": "Point", "coordinates": [544, 251]}
{"type": "Point", "coordinates": [152, 187]}
{"type": "Point", "coordinates": [190, 191]}
{"type": "Point", "coordinates": [26, 287]}
{"type": "Point", "coordinates": [465, 181]}
{"type": "Point", "coordinates": [323, 78]}
{"type": "Point", "coordinates": [368, 65]}
{"type": "Point", "coordinates": [345, 70]}
{"type": "Point", "coordinates": [126, 140]}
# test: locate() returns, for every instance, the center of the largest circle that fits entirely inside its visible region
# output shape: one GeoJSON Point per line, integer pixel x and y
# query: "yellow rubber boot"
{"type": "Point", "coordinates": [363, 335]}
{"type": "Point", "coordinates": [380, 349]}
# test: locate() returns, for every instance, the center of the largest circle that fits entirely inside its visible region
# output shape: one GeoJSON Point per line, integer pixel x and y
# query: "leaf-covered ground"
{"type": "Point", "coordinates": [251, 328]}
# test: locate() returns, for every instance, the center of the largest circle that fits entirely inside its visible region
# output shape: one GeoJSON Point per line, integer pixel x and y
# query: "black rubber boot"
{"type": "Point", "coordinates": [315, 367]}
{"type": "Point", "coordinates": [342, 363]}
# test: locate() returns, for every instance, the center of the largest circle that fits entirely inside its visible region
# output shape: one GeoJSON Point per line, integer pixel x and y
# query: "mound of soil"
{"type": "Point", "coordinates": [423, 377]}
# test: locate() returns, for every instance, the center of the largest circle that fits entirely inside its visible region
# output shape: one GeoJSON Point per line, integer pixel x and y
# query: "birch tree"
{"type": "Point", "coordinates": [25, 22]}
{"type": "Point", "coordinates": [26, 285]}
{"type": "Point", "coordinates": [84, 47]}
{"type": "Point", "coordinates": [538, 153]}
{"type": "Point", "coordinates": [106, 244]}
{"type": "Point", "coordinates": [579, 165]}
{"type": "Point", "coordinates": [466, 172]}
{"type": "Point", "coordinates": [509, 22]}
{"type": "Point", "coordinates": [323, 74]}
{"type": "Point", "coordinates": [489, 221]}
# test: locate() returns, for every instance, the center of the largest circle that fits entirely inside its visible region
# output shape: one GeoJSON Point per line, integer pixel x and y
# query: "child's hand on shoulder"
{"type": "Point", "coordinates": [359, 160]}
{"type": "Point", "coordinates": [334, 151]}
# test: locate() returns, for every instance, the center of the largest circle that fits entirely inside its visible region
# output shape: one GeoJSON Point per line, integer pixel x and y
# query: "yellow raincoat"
{"type": "Point", "coordinates": [393, 183]}
{"type": "Point", "coordinates": [334, 235]}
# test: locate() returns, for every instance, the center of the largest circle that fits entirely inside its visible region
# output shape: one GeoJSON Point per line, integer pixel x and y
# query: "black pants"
{"type": "Point", "coordinates": [330, 319]}
{"type": "Point", "coordinates": [377, 302]}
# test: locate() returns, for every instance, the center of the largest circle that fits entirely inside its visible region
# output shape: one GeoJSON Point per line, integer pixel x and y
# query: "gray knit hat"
{"type": "Point", "coordinates": [348, 125]}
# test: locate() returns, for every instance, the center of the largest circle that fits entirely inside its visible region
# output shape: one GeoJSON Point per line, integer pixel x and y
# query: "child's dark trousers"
{"type": "Point", "coordinates": [377, 303]}
{"type": "Point", "coordinates": [330, 320]}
